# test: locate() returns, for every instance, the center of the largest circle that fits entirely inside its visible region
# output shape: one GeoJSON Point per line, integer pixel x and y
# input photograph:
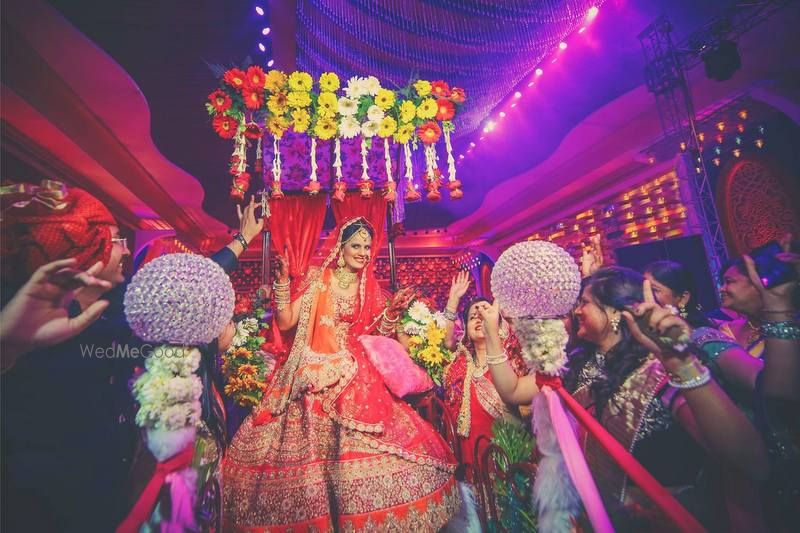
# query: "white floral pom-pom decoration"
{"type": "Point", "coordinates": [536, 279]}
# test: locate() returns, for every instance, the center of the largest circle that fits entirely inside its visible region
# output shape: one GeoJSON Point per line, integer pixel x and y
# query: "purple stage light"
{"type": "Point", "coordinates": [502, 114]}
{"type": "Point", "coordinates": [583, 29]}
{"type": "Point", "coordinates": [539, 72]}
{"type": "Point", "coordinates": [530, 84]}
{"type": "Point", "coordinates": [266, 31]}
{"type": "Point", "coordinates": [562, 45]}
{"type": "Point", "coordinates": [592, 13]}
{"type": "Point", "coordinates": [262, 47]}
{"type": "Point", "coordinates": [472, 145]}
{"type": "Point", "coordinates": [260, 11]}
{"type": "Point", "coordinates": [270, 62]}
{"type": "Point", "coordinates": [517, 94]}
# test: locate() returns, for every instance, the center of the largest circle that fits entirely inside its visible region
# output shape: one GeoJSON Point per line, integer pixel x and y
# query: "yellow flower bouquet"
{"type": "Point", "coordinates": [426, 331]}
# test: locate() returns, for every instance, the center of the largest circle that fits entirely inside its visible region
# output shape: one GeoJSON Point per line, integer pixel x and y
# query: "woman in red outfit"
{"type": "Point", "coordinates": [470, 395]}
{"type": "Point", "coordinates": [330, 448]}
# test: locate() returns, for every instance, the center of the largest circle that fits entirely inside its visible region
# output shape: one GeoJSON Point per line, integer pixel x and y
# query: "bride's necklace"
{"type": "Point", "coordinates": [345, 277]}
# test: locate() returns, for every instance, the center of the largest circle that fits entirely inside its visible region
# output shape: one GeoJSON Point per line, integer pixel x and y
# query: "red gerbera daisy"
{"type": "Point", "coordinates": [220, 100]}
{"type": "Point", "coordinates": [225, 126]}
{"type": "Point", "coordinates": [236, 78]}
{"type": "Point", "coordinates": [445, 110]}
{"type": "Point", "coordinates": [457, 95]}
{"type": "Point", "coordinates": [429, 132]}
{"type": "Point", "coordinates": [255, 77]}
{"type": "Point", "coordinates": [253, 97]}
{"type": "Point", "coordinates": [440, 89]}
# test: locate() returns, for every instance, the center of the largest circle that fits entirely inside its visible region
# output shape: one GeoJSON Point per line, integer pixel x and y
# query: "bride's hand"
{"type": "Point", "coordinates": [401, 300]}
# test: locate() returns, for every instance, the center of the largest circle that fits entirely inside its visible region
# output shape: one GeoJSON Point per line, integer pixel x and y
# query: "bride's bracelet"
{"type": "Point", "coordinates": [281, 294]}
{"type": "Point", "coordinates": [387, 325]}
{"type": "Point", "coordinates": [501, 358]}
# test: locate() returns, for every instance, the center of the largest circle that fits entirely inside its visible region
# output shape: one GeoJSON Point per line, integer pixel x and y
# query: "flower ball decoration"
{"type": "Point", "coordinates": [536, 279]}
{"type": "Point", "coordinates": [181, 299]}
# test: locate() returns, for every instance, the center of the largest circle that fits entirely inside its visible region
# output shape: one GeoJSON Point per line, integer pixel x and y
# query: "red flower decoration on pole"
{"type": "Point", "coordinates": [455, 190]}
{"type": "Point", "coordinates": [312, 188]}
{"type": "Point", "coordinates": [236, 78]}
{"type": "Point", "coordinates": [240, 185]}
{"type": "Point", "coordinates": [365, 186]}
{"type": "Point", "coordinates": [391, 192]}
{"type": "Point", "coordinates": [225, 126]}
{"type": "Point", "coordinates": [252, 131]}
{"type": "Point", "coordinates": [445, 110]}
{"type": "Point", "coordinates": [429, 132]}
{"type": "Point", "coordinates": [220, 100]}
{"type": "Point", "coordinates": [277, 193]}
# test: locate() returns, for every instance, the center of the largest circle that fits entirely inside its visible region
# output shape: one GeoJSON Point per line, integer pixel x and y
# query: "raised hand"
{"type": "Point", "coordinates": [37, 315]}
{"type": "Point", "coordinates": [249, 226]}
{"type": "Point", "coordinates": [283, 267]}
{"type": "Point", "coordinates": [592, 257]}
{"type": "Point", "coordinates": [658, 328]}
{"type": "Point", "coordinates": [458, 288]}
{"type": "Point", "coordinates": [777, 300]}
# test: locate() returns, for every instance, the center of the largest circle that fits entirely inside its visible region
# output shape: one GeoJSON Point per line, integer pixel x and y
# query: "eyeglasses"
{"type": "Point", "coordinates": [122, 241]}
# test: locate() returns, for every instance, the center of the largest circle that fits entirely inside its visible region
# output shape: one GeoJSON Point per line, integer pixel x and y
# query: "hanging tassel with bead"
{"type": "Point", "coordinates": [277, 193]}
{"type": "Point", "coordinates": [412, 195]}
{"type": "Point", "coordinates": [339, 187]}
{"type": "Point", "coordinates": [366, 184]}
{"type": "Point", "coordinates": [452, 183]}
{"type": "Point", "coordinates": [313, 186]}
{"type": "Point", "coordinates": [238, 168]}
{"type": "Point", "coordinates": [433, 174]}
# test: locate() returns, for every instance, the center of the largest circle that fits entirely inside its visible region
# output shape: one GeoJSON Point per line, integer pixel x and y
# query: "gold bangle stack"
{"type": "Point", "coordinates": [496, 359]}
{"type": "Point", "coordinates": [281, 293]}
{"type": "Point", "coordinates": [690, 376]}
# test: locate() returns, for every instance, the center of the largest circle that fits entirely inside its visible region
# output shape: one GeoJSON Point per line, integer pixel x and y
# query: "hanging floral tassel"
{"type": "Point", "coordinates": [258, 166]}
{"type": "Point", "coordinates": [391, 186]}
{"type": "Point", "coordinates": [241, 180]}
{"type": "Point", "coordinates": [453, 184]}
{"type": "Point", "coordinates": [366, 183]}
{"type": "Point", "coordinates": [277, 193]}
{"type": "Point", "coordinates": [412, 195]}
{"type": "Point", "coordinates": [340, 187]}
{"type": "Point", "coordinates": [433, 174]}
{"type": "Point", "coordinates": [313, 186]}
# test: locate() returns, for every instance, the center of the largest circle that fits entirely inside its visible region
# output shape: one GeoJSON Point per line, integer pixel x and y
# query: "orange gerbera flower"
{"type": "Point", "coordinates": [220, 100]}
{"type": "Point", "coordinates": [429, 132]}
{"type": "Point", "coordinates": [445, 110]}
{"type": "Point", "coordinates": [255, 77]}
{"type": "Point", "coordinates": [253, 97]}
{"type": "Point", "coordinates": [225, 126]}
{"type": "Point", "coordinates": [440, 89]}
{"type": "Point", "coordinates": [236, 78]}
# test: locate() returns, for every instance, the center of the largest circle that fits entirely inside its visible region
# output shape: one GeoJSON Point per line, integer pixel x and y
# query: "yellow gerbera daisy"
{"type": "Point", "coordinates": [298, 99]}
{"type": "Point", "coordinates": [301, 81]}
{"type": "Point", "coordinates": [387, 128]}
{"type": "Point", "coordinates": [278, 126]}
{"type": "Point", "coordinates": [329, 81]}
{"type": "Point", "coordinates": [385, 99]}
{"type": "Point", "coordinates": [301, 120]}
{"type": "Point", "coordinates": [423, 88]}
{"type": "Point", "coordinates": [328, 104]}
{"type": "Point", "coordinates": [427, 109]}
{"type": "Point", "coordinates": [325, 128]}
{"type": "Point", "coordinates": [275, 81]}
{"type": "Point", "coordinates": [407, 111]}
{"type": "Point", "coordinates": [404, 133]}
{"type": "Point", "coordinates": [277, 104]}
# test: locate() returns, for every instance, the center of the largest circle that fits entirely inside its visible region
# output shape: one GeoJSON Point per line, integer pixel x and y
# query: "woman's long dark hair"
{"type": "Point", "coordinates": [615, 287]}
{"type": "Point", "coordinates": [213, 415]}
{"type": "Point", "coordinates": [679, 280]}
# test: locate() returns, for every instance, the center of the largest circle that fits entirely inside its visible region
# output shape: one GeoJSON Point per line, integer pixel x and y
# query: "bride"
{"type": "Point", "coordinates": [330, 448]}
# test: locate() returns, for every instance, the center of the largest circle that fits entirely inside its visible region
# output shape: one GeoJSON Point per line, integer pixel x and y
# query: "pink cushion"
{"type": "Point", "coordinates": [401, 375]}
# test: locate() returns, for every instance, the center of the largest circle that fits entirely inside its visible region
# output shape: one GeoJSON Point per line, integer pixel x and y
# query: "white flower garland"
{"type": "Point", "coordinates": [451, 161]}
{"type": "Point", "coordinates": [276, 161]}
{"type": "Point", "coordinates": [388, 158]}
{"type": "Point", "coordinates": [364, 165]}
{"type": "Point", "coordinates": [337, 163]}
{"type": "Point", "coordinates": [313, 176]}
{"type": "Point", "coordinates": [544, 344]}
{"type": "Point", "coordinates": [409, 166]}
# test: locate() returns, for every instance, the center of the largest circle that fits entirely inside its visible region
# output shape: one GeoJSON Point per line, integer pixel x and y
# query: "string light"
{"type": "Point", "coordinates": [562, 45]}
{"type": "Point", "coordinates": [260, 11]}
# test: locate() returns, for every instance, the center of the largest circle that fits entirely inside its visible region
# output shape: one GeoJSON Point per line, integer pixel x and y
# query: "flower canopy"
{"type": "Point", "coordinates": [253, 105]}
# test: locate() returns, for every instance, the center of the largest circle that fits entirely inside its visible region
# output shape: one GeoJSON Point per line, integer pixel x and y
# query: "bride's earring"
{"type": "Point", "coordinates": [340, 262]}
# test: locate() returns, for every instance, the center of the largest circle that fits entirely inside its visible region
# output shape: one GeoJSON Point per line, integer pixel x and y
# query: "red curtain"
{"type": "Point", "coordinates": [373, 209]}
{"type": "Point", "coordinates": [296, 224]}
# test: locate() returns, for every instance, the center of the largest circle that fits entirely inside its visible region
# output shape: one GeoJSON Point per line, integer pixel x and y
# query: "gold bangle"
{"type": "Point", "coordinates": [496, 359]}
{"type": "Point", "coordinates": [689, 372]}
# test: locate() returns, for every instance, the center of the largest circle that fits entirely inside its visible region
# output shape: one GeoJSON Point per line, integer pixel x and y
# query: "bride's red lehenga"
{"type": "Point", "coordinates": [330, 448]}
